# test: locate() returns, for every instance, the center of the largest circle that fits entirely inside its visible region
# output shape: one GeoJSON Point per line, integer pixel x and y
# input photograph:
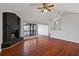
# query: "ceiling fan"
{"type": "Point", "coordinates": [45, 7]}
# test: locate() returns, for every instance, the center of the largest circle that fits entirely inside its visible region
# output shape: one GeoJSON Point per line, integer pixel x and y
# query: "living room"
{"type": "Point", "coordinates": [55, 27]}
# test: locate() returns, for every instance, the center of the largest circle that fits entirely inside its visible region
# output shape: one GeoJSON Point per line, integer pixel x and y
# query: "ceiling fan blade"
{"type": "Point", "coordinates": [43, 10]}
{"type": "Point", "coordinates": [51, 6]}
{"type": "Point", "coordinates": [40, 8]}
{"type": "Point", "coordinates": [48, 9]}
{"type": "Point", "coordinates": [44, 4]}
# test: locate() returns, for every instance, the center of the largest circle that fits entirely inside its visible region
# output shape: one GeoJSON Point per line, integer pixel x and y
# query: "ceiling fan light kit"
{"type": "Point", "coordinates": [45, 10]}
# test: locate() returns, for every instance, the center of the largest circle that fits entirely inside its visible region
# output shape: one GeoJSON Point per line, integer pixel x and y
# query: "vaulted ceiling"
{"type": "Point", "coordinates": [29, 12]}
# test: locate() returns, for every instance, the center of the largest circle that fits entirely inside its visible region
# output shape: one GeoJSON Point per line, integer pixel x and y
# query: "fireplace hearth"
{"type": "Point", "coordinates": [11, 29]}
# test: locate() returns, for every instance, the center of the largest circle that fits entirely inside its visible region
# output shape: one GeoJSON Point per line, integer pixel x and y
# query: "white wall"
{"type": "Point", "coordinates": [1, 29]}
{"type": "Point", "coordinates": [70, 28]}
{"type": "Point", "coordinates": [42, 29]}
{"type": "Point", "coordinates": [22, 28]}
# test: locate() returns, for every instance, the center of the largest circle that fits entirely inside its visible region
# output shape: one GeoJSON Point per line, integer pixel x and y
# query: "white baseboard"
{"type": "Point", "coordinates": [66, 40]}
{"type": "Point", "coordinates": [0, 50]}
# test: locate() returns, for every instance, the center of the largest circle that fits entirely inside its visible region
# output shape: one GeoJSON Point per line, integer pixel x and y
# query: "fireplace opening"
{"type": "Point", "coordinates": [14, 34]}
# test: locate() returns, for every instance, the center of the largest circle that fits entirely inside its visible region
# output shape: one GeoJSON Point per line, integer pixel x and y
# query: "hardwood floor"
{"type": "Point", "coordinates": [43, 46]}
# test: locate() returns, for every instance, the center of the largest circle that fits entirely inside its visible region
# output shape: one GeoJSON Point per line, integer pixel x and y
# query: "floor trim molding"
{"type": "Point", "coordinates": [0, 50]}
{"type": "Point", "coordinates": [65, 40]}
